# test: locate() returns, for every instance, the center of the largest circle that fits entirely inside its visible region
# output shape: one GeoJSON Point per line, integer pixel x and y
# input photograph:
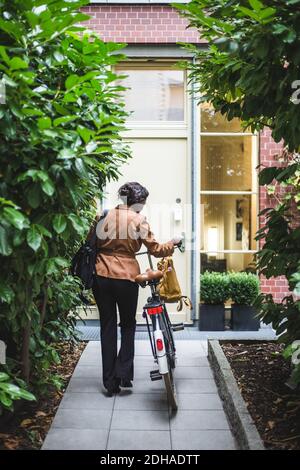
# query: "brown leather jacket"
{"type": "Point", "coordinates": [120, 236]}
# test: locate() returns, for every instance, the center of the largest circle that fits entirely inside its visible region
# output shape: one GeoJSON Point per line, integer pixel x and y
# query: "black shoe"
{"type": "Point", "coordinates": [126, 383]}
{"type": "Point", "coordinates": [113, 391]}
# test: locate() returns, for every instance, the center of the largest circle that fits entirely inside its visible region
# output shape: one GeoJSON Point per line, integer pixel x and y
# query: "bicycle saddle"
{"type": "Point", "coordinates": [148, 276]}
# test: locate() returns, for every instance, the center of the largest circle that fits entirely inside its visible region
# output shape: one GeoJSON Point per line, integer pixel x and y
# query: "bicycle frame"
{"type": "Point", "coordinates": [161, 327]}
{"type": "Point", "coordinates": [161, 338]}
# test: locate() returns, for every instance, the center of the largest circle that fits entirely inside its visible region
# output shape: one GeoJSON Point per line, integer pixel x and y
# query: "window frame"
{"type": "Point", "coordinates": [255, 188]}
{"type": "Point", "coordinates": [157, 64]}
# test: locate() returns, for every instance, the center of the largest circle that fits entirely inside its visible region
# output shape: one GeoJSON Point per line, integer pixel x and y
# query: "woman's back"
{"type": "Point", "coordinates": [120, 235]}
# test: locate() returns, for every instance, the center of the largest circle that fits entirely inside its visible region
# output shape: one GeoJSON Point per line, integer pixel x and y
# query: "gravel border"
{"type": "Point", "coordinates": [243, 426]}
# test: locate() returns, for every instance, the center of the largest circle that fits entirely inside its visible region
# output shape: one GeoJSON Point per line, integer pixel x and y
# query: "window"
{"type": "Point", "coordinates": [215, 122]}
{"type": "Point", "coordinates": [228, 195]}
{"type": "Point", "coordinates": [154, 94]}
{"type": "Point", "coordinates": [226, 163]}
{"type": "Point", "coordinates": [231, 216]}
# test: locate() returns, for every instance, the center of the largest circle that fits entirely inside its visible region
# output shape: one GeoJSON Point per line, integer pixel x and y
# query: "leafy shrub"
{"type": "Point", "coordinates": [243, 288]}
{"type": "Point", "coordinates": [213, 288]}
{"type": "Point", "coordinates": [59, 143]}
{"type": "Point", "coordinates": [9, 392]}
{"type": "Point", "coordinates": [240, 42]}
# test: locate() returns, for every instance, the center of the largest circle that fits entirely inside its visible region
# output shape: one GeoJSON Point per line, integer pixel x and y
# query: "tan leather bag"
{"type": "Point", "coordinates": [169, 288]}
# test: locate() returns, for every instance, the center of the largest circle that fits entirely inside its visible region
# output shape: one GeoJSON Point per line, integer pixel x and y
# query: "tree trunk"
{"type": "Point", "coordinates": [44, 306]}
{"type": "Point", "coordinates": [25, 359]}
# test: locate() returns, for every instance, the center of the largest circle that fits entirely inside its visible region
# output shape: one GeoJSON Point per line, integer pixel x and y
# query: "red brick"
{"type": "Point", "coordinates": [148, 15]}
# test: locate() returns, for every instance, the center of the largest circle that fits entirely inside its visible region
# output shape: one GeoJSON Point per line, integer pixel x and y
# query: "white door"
{"type": "Point", "coordinates": [161, 165]}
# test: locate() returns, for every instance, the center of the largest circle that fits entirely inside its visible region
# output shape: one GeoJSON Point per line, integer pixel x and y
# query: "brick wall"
{"type": "Point", "coordinates": [140, 24]}
{"type": "Point", "coordinates": [268, 149]}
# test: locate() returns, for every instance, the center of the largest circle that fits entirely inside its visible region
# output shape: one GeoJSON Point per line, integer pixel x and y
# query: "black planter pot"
{"type": "Point", "coordinates": [243, 318]}
{"type": "Point", "coordinates": [211, 317]}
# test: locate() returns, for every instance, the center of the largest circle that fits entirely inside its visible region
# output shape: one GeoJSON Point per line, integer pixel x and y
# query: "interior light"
{"type": "Point", "coordinates": [212, 241]}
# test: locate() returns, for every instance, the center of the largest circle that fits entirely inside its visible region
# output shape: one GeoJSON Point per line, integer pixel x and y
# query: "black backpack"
{"type": "Point", "coordinates": [84, 261]}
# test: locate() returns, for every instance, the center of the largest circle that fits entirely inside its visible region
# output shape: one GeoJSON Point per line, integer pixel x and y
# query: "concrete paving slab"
{"type": "Point", "coordinates": [75, 439]}
{"type": "Point", "coordinates": [141, 401]}
{"type": "Point", "coordinates": [140, 420]}
{"type": "Point", "coordinates": [190, 372]}
{"type": "Point", "coordinates": [87, 401]}
{"type": "Point", "coordinates": [202, 440]}
{"type": "Point", "coordinates": [146, 386]}
{"type": "Point", "coordinates": [82, 419]}
{"type": "Point", "coordinates": [135, 440]}
{"type": "Point", "coordinates": [196, 386]}
{"type": "Point", "coordinates": [85, 384]}
{"type": "Point", "coordinates": [88, 370]}
{"type": "Point", "coordinates": [198, 419]}
{"type": "Point", "coordinates": [199, 401]}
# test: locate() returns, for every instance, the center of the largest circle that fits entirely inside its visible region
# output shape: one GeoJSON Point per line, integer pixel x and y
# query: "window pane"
{"type": "Point", "coordinates": [227, 223]}
{"type": "Point", "coordinates": [216, 122]}
{"type": "Point", "coordinates": [154, 95]}
{"type": "Point", "coordinates": [226, 163]}
{"type": "Point", "coordinates": [228, 262]}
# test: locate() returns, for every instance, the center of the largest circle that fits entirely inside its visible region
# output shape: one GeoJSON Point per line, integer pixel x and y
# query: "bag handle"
{"type": "Point", "coordinates": [184, 300]}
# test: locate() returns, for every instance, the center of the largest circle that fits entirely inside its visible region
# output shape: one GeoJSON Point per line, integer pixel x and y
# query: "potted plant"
{"type": "Point", "coordinates": [243, 290]}
{"type": "Point", "coordinates": [213, 294]}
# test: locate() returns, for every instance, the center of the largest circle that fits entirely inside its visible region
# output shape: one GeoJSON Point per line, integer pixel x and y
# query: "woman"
{"type": "Point", "coordinates": [120, 236]}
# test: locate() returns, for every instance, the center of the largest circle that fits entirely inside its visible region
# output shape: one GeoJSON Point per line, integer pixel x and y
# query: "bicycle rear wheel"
{"type": "Point", "coordinates": [171, 392]}
{"type": "Point", "coordinates": [168, 378]}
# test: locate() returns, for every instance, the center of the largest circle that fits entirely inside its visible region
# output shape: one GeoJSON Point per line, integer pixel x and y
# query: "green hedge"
{"type": "Point", "coordinates": [213, 288]}
{"type": "Point", "coordinates": [243, 288]}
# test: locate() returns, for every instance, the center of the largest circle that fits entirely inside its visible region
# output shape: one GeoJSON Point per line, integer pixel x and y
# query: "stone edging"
{"type": "Point", "coordinates": [242, 424]}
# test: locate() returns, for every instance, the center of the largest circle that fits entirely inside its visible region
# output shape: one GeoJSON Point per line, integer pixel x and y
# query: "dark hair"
{"type": "Point", "coordinates": [133, 193]}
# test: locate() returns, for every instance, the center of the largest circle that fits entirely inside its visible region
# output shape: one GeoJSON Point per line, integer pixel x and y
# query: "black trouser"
{"type": "Point", "coordinates": [110, 293]}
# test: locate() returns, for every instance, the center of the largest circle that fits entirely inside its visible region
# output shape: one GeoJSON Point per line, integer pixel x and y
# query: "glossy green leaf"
{"type": "Point", "coordinates": [77, 223]}
{"type": "Point", "coordinates": [59, 223]}
{"type": "Point", "coordinates": [71, 81]}
{"type": "Point", "coordinates": [5, 246]}
{"type": "Point", "coordinates": [34, 196]}
{"type": "Point", "coordinates": [34, 238]}
{"type": "Point", "coordinates": [5, 400]}
{"type": "Point", "coordinates": [44, 123]}
{"type": "Point", "coordinates": [27, 395]}
{"type": "Point", "coordinates": [6, 294]}
{"type": "Point", "coordinates": [17, 63]}
{"type": "Point", "coordinates": [48, 187]}
{"type": "Point", "coordinates": [15, 218]}
{"type": "Point", "coordinates": [4, 377]}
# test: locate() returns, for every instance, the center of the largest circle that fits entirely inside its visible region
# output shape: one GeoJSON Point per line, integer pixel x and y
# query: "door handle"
{"type": "Point", "coordinates": [182, 245]}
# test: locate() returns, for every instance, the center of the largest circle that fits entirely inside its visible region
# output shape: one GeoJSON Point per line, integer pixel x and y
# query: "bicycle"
{"type": "Point", "coordinates": [161, 335]}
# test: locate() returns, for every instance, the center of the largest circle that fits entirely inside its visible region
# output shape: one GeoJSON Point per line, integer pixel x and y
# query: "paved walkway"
{"type": "Point", "coordinates": [139, 419]}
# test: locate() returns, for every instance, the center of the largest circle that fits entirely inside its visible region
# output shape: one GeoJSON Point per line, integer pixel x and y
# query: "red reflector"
{"type": "Point", "coordinates": [155, 310]}
{"type": "Point", "coordinates": [159, 344]}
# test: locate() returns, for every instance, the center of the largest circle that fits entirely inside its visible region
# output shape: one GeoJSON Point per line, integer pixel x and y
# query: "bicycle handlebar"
{"type": "Point", "coordinates": [148, 253]}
